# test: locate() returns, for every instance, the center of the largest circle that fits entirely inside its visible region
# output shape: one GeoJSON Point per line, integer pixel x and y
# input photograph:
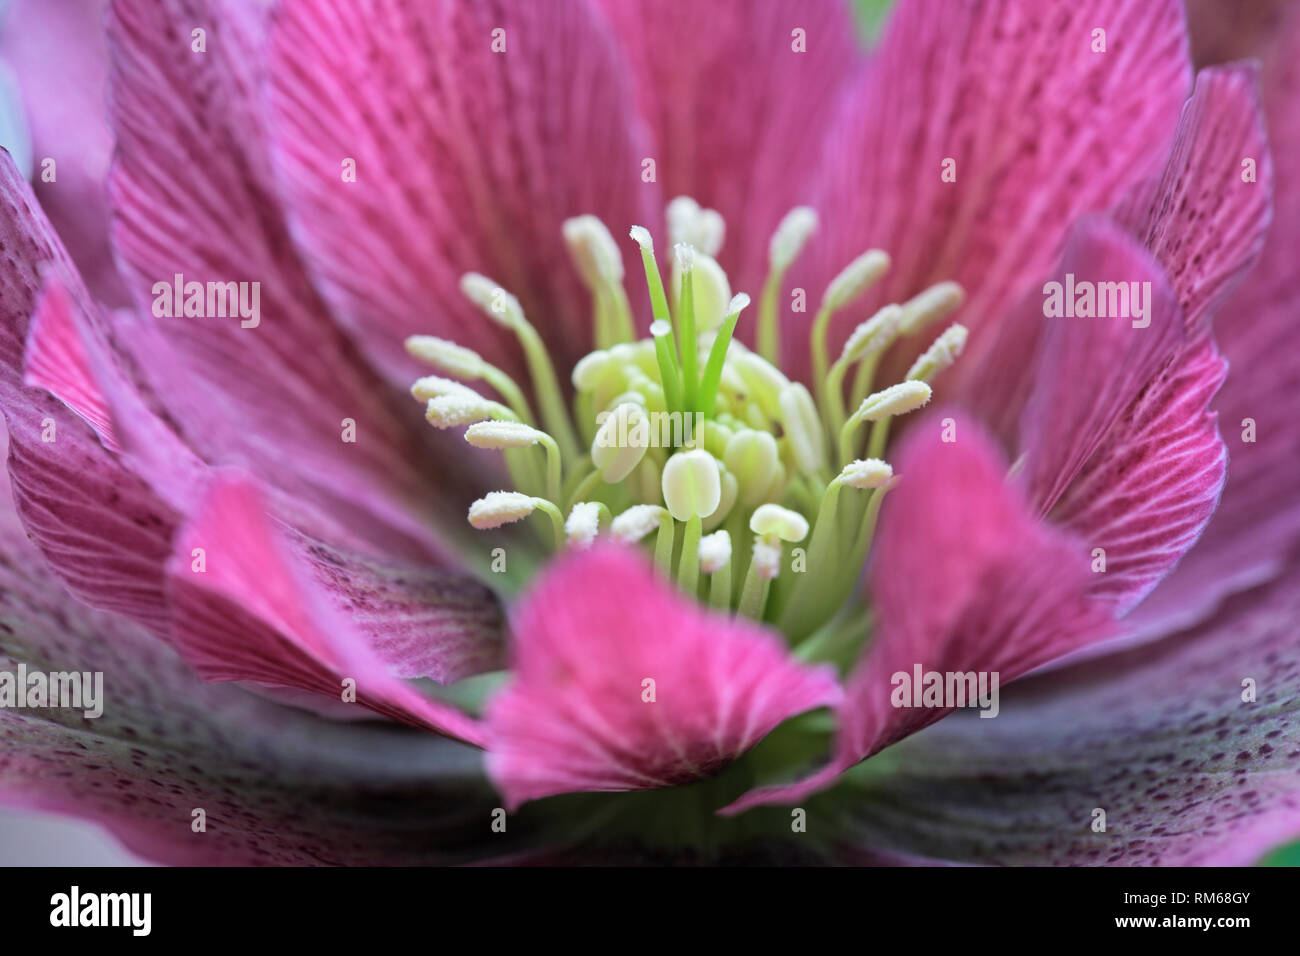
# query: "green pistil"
{"type": "Point", "coordinates": [759, 470]}
{"type": "Point", "coordinates": [688, 343]}
{"type": "Point", "coordinates": [713, 368]}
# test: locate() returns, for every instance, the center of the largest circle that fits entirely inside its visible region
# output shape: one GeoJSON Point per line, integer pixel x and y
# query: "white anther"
{"type": "Point", "coordinates": [637, 522]}
{"type": "Point", "coordinates": [715, 552]}
{"type": "Point", "coordinates": [702, 228]}
{"type": "Point", "coordinates": [582, 525]}
{"type": "Point", "coordinates": [791, 236]}
{"type": "Point", "coordinates": [775, 520]}
{"type": "Point", "coordinates": [874, 335]}
{"type": "Point", "coordinates": [495, 302]}
{"type": "Point", "coordinates": [767, 557]}
{"type": "Point", "coordinates": [498, 508]}
{"type": "Point", "coordinates": [866, 473]}
{"type": "Point", "coordinates": [594, 251]}
{"type": "Point", "coordinates": [453, 411]}
{"type": "Point", "coordinates": [929, 306]}
{"type": "Point", "coordinates": [446, 357]}
{"type": "Point", "coordinates": [856, 278]}
{"type": "Point", "coordinates": [940, 355]}
{"type": "Point", "coordinates": [896, 400]}
{"type": "Point", "coordinates": [503, 435]}
{"type": "Point", "coordinates": [434, 386]}
{"type": "Point", "coordinates": [643, 238]}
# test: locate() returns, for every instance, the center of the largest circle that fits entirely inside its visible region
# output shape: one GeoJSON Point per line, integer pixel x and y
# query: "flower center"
{"type": "Point", "coordinates": [754, 494]}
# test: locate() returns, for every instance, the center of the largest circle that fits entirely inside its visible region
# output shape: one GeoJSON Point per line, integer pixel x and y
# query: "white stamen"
{"type": "Point", "coordinates": [637, 522]}
{"type": "Point", "coordinates": [856, 278]}
{"type": "Point", "coordinates": [502, 435]}
{"type": "Point", "coordinates": [767, 558]}
{"type": "Point", "coordinates": [772, 519]}
{"type": "Point", "coordinates": [940, 355]}
{"type": "Point", "coordinates": [583, 524]}
{"type": "Point", "coordinates": [434, 386]}
{"type": "Point", "coordinates": [643, 238]}
{"type": "Point", "coordinates": [874, 335]}
{"type": "Point", "coordinates": [498, 508]}
{"type": "Point", "coordinates": [867, 473]}
{"type": "Point", "coordinates": [896, 400]}
{"type": "Point", "coordinates": [739, 302]}
{"type": "Point", "coordinates": [791, 236]}
{"type": "Point", "coordinates": [702, 228]}
{"type": "Point", "coordinates": [715, 552]}
{"type": "Point", "coordinates": [453, 411]}
{"type": "Point", "coordinates": [495, 302]}
{"type": "Point", "coordinates": [447, 357]}
{"type": "Point", "coordinates": [684, 254]}
{"type": "Point", "coordinates": [681, 213]}
{"type": "Point", "coordinates": [594, 251]}
{"type": "Point", "coordinates": [930, 306]}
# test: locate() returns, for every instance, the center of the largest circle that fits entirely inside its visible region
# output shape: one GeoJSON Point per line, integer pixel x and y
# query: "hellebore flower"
{"type": "Point", "coordinates": [969, 312]}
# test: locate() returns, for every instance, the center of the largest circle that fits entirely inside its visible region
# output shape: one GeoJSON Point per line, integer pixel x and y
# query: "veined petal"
{"type": "Point", "coordinates": [1258, 518]}
{"type": "Point", "coordinates": [622, 684]}
{"type": "Point", "coordinates": [1038, 128]}
{"type": "Point", "coordinates": [739, 95]}
{"type": "Point", "coordinates": [1204, 218]}
{"type": "Point", "coordinates": [1090, 369]}
{"type": "Point", "coordinates": [276, 395]}
{"type": "Point", "coordinates": [1151, 487]}
{"type": "Point", "coordinates": [276, 785]}
{"type": "Point", "coordinates": [245, 607]}
{"type": "Point", "coordinates": [1187, 771]}
{"type": "Point", "coordinates": [475, 131]}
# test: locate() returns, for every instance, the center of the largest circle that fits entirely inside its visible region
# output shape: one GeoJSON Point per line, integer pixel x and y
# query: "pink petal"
{"type": "Point", "coordinates": [738, 115]}
{"type": "Point", "coordinates": [59, 58]}
{"type": "Point", "coordinates": [103, 529]}
{"type": "Point", "coordinates": [57, 361]}
{"type": "Point", "coordinates": [466, 160]}
{"type": "Point", "coordinates": [1258, 518]}
{"type": "Point", "coordinates": [105, 521]}
{"type": "Point", "coordinates": [1040, 127]}
{"type": "Point", "coordinates": [1091, 370]}
{"type": "Point", "coordinates": [963, 579]}
{"type": "Point", "coordinates": [1200, 219]}
{"type": "Point", "coordinates": [577, 715]}
{"type": "Point", "coordinates": [1148, 491]}
{"type": "Point", "coordinates": [191, 197]}
{"type": "Point", "coordinates": [278, 786]}
{"type": "Point", "coordinates": [246, 608]}
{"type": "Point", "coordinates": [1160, 738]}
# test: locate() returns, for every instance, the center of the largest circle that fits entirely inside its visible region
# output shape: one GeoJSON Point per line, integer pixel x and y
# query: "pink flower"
{"type": "Point", "coordinates": [315, 208]}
